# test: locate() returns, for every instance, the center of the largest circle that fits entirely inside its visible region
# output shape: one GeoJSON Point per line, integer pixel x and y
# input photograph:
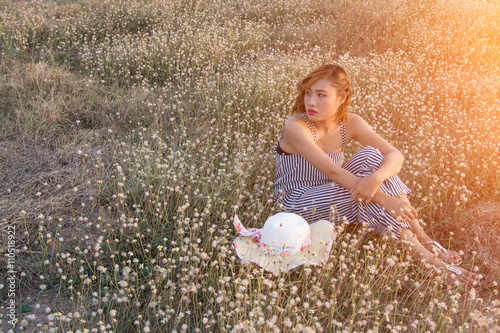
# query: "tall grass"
{"type": "Point", "coordinates": [132, 131]}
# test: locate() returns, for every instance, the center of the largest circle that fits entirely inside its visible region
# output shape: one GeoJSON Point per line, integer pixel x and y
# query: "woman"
{"type": "Point", "coordinates": [310, 180]}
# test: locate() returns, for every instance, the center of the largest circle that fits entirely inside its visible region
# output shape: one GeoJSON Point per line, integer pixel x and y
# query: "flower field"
{"type": "Point", "coordinates": [131, 131]}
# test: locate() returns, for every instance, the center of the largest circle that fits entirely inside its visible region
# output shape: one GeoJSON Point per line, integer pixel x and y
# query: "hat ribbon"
{"type": "Point", "coordinates": [270, 249]}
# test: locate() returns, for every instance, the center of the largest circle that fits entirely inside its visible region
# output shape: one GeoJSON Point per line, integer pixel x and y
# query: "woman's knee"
{"type": "Point", "coordinates": [366, 160]}
{"type": "Point", "coordinates": [371, 152]}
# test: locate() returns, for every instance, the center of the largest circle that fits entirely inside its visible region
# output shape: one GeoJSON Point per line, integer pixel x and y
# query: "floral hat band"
{"type": "Point", "coordinates": [286, 241]}
{"type": "Point", "coordinates": [278, 239]}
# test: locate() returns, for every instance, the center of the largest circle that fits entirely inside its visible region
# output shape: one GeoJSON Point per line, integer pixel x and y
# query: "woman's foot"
{"type": "Point", "coordinates": [448, 256]}
{"type": "Point", "coordinates": [454, 276]}
{"type": "Point", "coordinates": [452, 273]}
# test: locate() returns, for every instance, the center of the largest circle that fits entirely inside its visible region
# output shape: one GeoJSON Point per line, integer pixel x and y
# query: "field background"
{"type": "Point", "coordinates": [130, 131]}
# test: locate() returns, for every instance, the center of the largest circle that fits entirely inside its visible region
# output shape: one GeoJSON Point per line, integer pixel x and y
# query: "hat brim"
{"type": "Point", "coordinates": [322, 235]}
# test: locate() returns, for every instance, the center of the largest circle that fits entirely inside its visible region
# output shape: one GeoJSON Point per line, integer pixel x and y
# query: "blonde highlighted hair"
{"type": "Point", "coordinates": [339, 80]}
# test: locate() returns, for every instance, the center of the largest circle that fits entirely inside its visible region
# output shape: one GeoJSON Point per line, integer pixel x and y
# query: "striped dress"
{"type": "Point", "coordinates": [302, 189]}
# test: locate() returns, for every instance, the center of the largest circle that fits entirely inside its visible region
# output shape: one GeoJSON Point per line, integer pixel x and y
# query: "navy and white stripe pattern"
{"type": "Point", "coordinates": [302, 189]}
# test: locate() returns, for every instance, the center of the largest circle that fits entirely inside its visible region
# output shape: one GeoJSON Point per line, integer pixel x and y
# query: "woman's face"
{"type": "Point", "coordinates": [322, 101]}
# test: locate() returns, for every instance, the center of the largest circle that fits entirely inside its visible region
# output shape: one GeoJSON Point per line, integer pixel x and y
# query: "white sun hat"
{"type": "Point", "coordinates": [285, 242]}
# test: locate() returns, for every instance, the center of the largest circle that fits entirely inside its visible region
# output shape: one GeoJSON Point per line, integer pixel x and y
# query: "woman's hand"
{"type": "Point", "coordinates": [365, 189]}
{"type": "Point", "coordinates": [400, 208]}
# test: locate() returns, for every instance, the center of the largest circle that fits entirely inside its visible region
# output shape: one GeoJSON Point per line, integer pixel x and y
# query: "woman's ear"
{"type": "Point", "coordinates": [343, 97]}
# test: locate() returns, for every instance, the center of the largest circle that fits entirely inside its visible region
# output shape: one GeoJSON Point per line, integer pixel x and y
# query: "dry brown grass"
{"type": "Point", "coordinates": [45, 156]}
{"type": "Point", "coordinates": [480, 224]}
{"type": "Point", "coordinates": [47, 103]}
{"type": "Point", "coordinates": [41, 181]}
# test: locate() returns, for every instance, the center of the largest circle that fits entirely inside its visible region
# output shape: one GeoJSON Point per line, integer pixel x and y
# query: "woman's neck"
{"type": "Point", "coordinates": [324, 126]}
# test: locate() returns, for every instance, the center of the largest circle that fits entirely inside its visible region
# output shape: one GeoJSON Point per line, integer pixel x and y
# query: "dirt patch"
{"type": "Point", "coordinates": [36, 312]}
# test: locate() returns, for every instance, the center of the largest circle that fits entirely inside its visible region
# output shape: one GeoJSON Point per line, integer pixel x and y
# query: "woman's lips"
{"type": "Point", "coordinates": [311, 112]}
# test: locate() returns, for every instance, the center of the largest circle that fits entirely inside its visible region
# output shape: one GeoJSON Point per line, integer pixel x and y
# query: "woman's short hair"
{"type": "Point", "coordinates": [338, 78]}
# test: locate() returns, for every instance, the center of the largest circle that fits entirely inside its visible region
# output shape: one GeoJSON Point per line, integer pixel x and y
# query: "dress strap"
{"type": "Point", "coordinates": [313, 128]}
{"type": "Point", "coordinates": [342, 130]}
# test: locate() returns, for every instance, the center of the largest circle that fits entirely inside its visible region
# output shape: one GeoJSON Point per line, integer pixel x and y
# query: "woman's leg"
{"type": "Point", "coordinates": [367, 161]}
{"type": "Point", "coordinates": [448, 256]}
{"type": "Point", "coordinates": [329, 202]}
{"type": "Point", "coordinates": [418, 252]}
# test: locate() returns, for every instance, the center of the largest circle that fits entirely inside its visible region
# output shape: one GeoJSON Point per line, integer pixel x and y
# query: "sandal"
{"type": "Point", "coordinates": [457, 271]}
{"type": "Point", "coordinates": [445, 251]}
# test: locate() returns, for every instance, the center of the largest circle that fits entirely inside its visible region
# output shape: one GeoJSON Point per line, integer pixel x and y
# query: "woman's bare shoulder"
{"type": "Point", "coordinates": [295, 130]}
{"type": "Point", "coordinates": [295, 118]}
{"type": "Point", "coordinates": [354, 119]}
{"type": "Point", "coordinates": [355, 123]}
{"type": "Point", "coordinates": [294, 122]}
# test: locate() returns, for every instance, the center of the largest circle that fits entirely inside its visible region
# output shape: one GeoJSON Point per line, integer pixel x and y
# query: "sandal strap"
{"type": "Point", "coordinates": [439, 246]}
{"type": "Point", "coordinates": [451, 268]}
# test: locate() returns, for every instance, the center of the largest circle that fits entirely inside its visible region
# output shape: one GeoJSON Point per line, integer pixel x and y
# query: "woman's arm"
{"type": "Point", "coordinates": [298, 135]}
{"type": "Point", "coordinates": [358, 129]}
